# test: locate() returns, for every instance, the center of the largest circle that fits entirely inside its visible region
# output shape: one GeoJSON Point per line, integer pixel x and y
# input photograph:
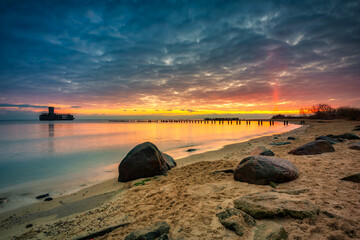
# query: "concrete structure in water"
{"type": "Point", "coordinates": [52, 116]}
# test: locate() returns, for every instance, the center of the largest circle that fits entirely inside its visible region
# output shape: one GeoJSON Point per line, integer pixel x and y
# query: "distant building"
{"type": "Point", "coordinates": [52, 116]}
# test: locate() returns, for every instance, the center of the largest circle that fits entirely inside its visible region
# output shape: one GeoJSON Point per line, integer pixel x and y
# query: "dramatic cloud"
{"type": "Point", "coordinates": [214, 55]}
{"type": "Point", "coordinates": [21, 105]}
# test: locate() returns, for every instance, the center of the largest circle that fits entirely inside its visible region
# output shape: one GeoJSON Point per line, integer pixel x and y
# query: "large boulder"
{"type": "Point", "coordinates": [355, 146]}
{"type": "Point", "coordinates": [261, 150]}
{"type": "Point", "coordinates": [263, 170]}
{"type": "Point", "coordinates": [312, 148]}
{"type": "Point", "coordinates": [275, 204]}
{"type": "Point", "coordinates": [160, 229]}
{"type": "Point", "coordinates": [144, 160]}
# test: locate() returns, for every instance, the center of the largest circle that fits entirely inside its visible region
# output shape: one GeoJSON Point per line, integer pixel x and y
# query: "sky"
{"type": "Point", "coordinates": [171, 59]}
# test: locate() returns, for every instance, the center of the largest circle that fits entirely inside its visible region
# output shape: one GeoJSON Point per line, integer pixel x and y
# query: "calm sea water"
{"type": "Point", "coordinates": [60, 157]}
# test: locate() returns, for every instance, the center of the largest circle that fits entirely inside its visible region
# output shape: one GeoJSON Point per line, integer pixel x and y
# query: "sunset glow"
{"type": "Point", "coordinates": [197, 58]}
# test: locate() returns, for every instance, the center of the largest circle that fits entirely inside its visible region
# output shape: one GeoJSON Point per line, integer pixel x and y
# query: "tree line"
{"type": "Point", "coordinates": [326, 111]}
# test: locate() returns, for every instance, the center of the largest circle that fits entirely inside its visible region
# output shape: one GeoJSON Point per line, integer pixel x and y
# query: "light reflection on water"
{"type": "Point", "coordinates": [61, 152]}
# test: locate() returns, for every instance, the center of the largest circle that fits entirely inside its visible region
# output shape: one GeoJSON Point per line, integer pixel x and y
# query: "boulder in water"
{"type": "Point", "coordinates": [263, 170]}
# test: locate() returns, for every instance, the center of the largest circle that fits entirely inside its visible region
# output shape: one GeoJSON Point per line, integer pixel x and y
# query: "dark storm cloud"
{"type": "Point", "coordinates": [123, 51]}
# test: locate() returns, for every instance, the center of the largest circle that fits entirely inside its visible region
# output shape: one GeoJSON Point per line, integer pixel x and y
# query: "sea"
{"type": "Point", "coordinates": [62, 157]}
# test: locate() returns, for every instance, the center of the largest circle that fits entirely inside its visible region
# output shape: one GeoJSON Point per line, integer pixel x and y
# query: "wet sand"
{"type": "Point", "coordinates": [189, 197]}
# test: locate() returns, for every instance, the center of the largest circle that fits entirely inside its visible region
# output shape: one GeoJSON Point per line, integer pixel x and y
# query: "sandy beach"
{"type": "Point", "coordinates": [190, 195]}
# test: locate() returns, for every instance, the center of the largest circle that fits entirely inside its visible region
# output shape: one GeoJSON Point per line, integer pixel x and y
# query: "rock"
{"type": "Point", "coordinates": [263, 170]}
{"type": "Point", "coordinates": [270, 231]}
{"type": "Point", "coordinates": [355, 146]}
{"type": "Point", "coordinates": [280, 143]}
{"type": "Point", "coordinates": [169, 160]}
{"type": "Point", "coordinates": [235, 220]}
{"type": "Point", "coordinates": [291, 138]}
{"type": "Point", "coordinates": [274, 204]}
{"type": "Point", "coordinates": [48, 199]}
{"type": "Point", "coordinates": [3, 201]}
{"type": "Point", "coordinates": [144, 160]}
{"type": "Point", "coordinates": [312, 148]}
{"type": "Point", "coordinates": [349, 136]}
{"type": "Point", "coordinates": [43, 196]}
{"type": "Point", "coordinates": [276, 138]}
{"type": "Point", "coordinates": [149, 233]}
{"type": "Point", "coordinates": [328, 139]}
{"type": "Point", "coordinates": [261, 150]}
{"type": "Point", "coordinates": [191, 150]}
{"type": "Point", "coordinates": [356, 128]}
{"type": "Point", "coordinates": [29, 225]}
{"type": "Point", "coordinates": [352, 178]}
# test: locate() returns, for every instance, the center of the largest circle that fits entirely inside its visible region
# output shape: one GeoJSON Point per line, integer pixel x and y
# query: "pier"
{"type": "Point", "coordinates": [236, 121]}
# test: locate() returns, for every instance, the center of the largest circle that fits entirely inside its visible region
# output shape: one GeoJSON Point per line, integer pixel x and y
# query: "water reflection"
{"type": "Point", "coordinates": [51, 131]}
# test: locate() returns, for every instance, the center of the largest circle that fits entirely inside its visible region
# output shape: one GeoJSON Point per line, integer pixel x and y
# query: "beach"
{"type": "Point", "coordinates": [190, 195]}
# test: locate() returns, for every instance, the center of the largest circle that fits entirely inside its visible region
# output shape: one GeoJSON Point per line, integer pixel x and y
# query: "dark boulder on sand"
{"type": "Point", "coordinates": [312, 148]}
{"type": "Point", "coordinates": [144, 160]}
{"type": "Point", "coordinates": [263, 169]}
{"type": "Point", "coordinates": [261, 150]}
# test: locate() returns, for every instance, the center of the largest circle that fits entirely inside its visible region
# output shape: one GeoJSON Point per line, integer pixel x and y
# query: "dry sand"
{"type": "Point", "coordinates": [189, 197]}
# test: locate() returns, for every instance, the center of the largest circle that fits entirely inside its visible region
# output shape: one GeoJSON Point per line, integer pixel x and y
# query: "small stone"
{"type": "Point", "coordinates": [291, 138]}
{"type": "Point", "coordinates": [191, 150]}
{"type": "Point", "coordinates": [355, 146]}
{"type": "Point", "coordinates": [3, 201]}
{"type": "Point", "coordinates": [261, 150]}
{"type": "Point", "coordinates": [29, 225]}
{"type": "Point", "coordinates": [43, 196]}
{"type": "Point", "coordinates": [48, 199]}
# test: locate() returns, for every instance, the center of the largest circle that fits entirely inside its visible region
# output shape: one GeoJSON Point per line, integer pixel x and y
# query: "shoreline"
{"type": "Point", "coordinates": [104, 195]}
{"type": "Point", "coordinates": [18, 190]}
